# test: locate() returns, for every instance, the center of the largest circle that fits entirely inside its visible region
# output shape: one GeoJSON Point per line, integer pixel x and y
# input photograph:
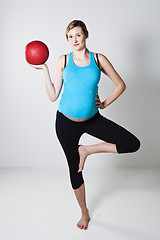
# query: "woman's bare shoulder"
{"type": "Point", "coordinates": [101, 58]}
{"type": "Point", "coordinates": [100, 55]}
{"type": "Point", "coordinates": [61, 59]}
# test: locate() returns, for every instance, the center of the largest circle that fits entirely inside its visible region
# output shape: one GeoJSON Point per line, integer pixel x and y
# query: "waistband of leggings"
{"type": "Point", "coordinates": [94, 116]}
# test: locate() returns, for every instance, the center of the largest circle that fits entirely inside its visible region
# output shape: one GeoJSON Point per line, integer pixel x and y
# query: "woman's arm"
{"type": "Point", "coordinates": [108, 69]}
{"type": "Point", "coordinates": [53, 89]}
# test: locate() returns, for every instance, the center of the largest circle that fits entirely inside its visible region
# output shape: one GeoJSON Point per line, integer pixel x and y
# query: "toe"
{"type": "Point", "coordinates": [80, 226]}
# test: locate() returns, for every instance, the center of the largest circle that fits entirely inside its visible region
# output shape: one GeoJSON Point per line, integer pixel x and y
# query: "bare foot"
{"type": "Point", "coordinates": [83, 222]}
{"type": "Point", "coordinates": [83, 155]}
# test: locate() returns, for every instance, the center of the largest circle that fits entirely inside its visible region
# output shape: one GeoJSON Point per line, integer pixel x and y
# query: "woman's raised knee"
{"type": "Point", "coordinates": [131, 146]}
{"type": "Point", "coordinates": [136, 145]}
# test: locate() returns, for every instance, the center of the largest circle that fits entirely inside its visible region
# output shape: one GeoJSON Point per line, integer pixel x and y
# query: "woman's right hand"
{"type": "Point", "coordinates": [41, 66]}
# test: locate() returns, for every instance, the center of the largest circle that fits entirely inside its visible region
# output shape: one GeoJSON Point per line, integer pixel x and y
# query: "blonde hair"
{"type": "Point", "coordinates": [76, 23]}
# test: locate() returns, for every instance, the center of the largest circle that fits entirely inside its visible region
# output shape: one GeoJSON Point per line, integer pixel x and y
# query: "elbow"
{"type": "Point", "coordinates": [52, 99]}
{"type": "Point", "coordinates": [123, 86]}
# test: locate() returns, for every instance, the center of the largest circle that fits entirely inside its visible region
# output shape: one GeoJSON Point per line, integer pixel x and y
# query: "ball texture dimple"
{"type": "Point", "coordinates": [36, 52]}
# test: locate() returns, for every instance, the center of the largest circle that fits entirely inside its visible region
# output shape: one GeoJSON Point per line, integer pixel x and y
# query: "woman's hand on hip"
{"type": "Point", "coordinates": [99, 103]}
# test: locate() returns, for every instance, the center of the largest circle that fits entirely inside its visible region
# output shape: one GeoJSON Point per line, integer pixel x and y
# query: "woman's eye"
{"type": "Point", "coordinates": [77, 35]}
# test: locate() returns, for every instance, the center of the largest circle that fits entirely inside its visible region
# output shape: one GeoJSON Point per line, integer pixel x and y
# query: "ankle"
{"type": "Point", "coordinates": [84, 211]}
{"type": "Point", "coordinates": [87, 150]}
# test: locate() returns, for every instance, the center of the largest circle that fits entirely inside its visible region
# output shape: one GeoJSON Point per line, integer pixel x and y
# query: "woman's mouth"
{"type": "Point", "coordinates": [76, 44]}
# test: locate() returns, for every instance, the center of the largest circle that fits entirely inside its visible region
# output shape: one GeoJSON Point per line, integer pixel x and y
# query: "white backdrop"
{"type": "Point", "coordinates": [126, 32]}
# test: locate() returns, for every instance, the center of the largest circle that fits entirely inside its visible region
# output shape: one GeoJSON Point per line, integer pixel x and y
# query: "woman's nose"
{"type": "Point", "coordinates": [75, 39]}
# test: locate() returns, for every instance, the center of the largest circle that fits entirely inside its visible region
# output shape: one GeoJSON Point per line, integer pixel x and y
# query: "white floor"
{"type": "Point", "coordinates": [39, 203]}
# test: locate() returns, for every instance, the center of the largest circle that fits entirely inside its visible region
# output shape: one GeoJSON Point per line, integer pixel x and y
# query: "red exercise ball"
{"type": "Point", "coordinates": [36, 52]}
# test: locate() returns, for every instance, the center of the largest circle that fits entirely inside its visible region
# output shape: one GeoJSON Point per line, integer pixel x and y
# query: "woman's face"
{"type": "Point", "coordinates": [77, 38]}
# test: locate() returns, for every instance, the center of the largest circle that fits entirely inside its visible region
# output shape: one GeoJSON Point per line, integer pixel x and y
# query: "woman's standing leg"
{"type": "Point", "coordinates": [69, 133]}
{"type": "Point", "coordinates": [81, 198]}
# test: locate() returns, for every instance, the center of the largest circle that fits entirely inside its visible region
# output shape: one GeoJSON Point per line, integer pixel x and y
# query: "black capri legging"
{"type": "Point", "coordinates": [69, 133]}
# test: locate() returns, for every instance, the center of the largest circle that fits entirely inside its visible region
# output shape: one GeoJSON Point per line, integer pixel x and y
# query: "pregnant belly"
{"type": "Point", "coordinates": [78, 108]}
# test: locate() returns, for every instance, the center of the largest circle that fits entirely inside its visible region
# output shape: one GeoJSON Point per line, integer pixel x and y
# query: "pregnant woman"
{"type": "Point", "coordinates": [79, 72]}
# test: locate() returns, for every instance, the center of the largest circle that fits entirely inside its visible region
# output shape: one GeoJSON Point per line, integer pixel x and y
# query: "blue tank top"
{"type": "Point", "coordinates": [80, 88]}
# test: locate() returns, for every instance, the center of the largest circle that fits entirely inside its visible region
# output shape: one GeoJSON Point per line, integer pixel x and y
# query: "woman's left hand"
{"type": "Point", "coordinates": [99, 103]}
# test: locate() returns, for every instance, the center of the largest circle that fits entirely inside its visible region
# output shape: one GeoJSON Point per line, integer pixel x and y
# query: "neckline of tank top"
{"type": "Point", "coordinates": [81, 66]}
